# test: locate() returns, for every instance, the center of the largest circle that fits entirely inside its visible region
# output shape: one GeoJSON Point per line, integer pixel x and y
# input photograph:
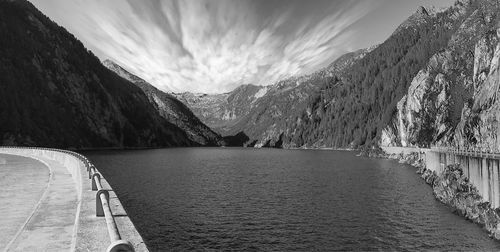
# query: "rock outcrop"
{"type": "Point", "coordinates": [418, 17]}
{"type": "Point", "coordinates": [423, 113]}
{"type": "Point", "coordinates": [480, 118]}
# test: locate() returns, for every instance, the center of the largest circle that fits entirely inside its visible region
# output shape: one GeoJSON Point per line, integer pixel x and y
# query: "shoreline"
{"type": "Point", "coordinates": [453, 189]}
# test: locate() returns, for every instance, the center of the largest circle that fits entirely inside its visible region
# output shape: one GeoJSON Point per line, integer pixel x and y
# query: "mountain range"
{"type": "Point", "coordinates": [434, 81]}
{"type": "Point", "coordinates": [257, 111]}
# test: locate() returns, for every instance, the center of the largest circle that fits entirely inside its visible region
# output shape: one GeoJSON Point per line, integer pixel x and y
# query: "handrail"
{"type": "Point", "coordinates": [102, 200]}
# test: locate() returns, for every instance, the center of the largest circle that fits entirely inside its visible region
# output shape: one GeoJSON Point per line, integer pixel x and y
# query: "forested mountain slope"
{"type": "Point", "coordinates": [353, 109]}
{"type": "Point", "coordinates": [270, 115]}
{"type": "Point", "coordinates": [171, 109]}
{"type": "Point", "coordinates": [53, 92]}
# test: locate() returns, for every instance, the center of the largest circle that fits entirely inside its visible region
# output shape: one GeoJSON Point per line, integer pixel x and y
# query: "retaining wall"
{"type": "Point", "coordinates": [482, 170]}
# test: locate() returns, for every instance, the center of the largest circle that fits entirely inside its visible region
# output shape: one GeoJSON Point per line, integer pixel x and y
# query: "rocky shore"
{"type": "Point", "coordinates": [453, 189]}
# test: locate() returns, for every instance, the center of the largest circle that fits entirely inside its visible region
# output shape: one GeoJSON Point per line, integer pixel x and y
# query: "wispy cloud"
{"type": "Point", "coordinates": [214, 46]}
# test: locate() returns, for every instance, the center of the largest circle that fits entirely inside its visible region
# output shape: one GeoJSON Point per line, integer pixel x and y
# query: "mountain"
{"type": "Point", "coordinates": [453, 100]}
{"type": "Point", "coordinates": [171, 109]}
{"type": "Point", "coordinates": [56, 93]}
{"type": "Point", "coordinates": [354, 110]}
{"type": "Point", "coordinates": [435, 81]}
{"type": "Point", "coordinates": [255, 114]}
{"type": "Point", "coordinates": [270, 116]}
{"type": "Point", "coordinates": [380, 95]}
{"type": "Point", "coordinates": [420, 16]}
{"type": "Point", "coordinates": [222, 111]}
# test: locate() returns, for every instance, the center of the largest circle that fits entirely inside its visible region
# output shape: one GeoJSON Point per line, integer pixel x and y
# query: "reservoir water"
{"type": "Point", "coordinates": [281, 200]}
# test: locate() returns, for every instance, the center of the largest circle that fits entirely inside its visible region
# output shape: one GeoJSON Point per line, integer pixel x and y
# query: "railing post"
{"type": "Point", "coordinates": [99, 211]}
{"type": "Point", "coordinates": [120, 246]}
{"type": "Point", "coordinates": [94, 183]}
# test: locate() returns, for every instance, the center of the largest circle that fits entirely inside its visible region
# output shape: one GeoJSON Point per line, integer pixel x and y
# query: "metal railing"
{"type": "Point", "coordinates": [103, 208]}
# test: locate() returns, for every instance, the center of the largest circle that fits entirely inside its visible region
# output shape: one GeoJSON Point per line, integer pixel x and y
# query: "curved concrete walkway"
{"type": "Point", "coordinates": [48, 224]}
{"type": "Point", "coordinates": [24, 181]}
{"type": "Point", "coordinates": [47, 204]}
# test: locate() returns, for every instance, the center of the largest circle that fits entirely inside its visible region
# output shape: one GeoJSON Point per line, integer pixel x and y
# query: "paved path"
{"type": "Point", "coordinates": [38, 207]}
{"type": "Point", "coordinates": [23, 182]}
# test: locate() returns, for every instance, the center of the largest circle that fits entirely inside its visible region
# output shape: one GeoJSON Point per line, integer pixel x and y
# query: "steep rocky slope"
{"type": "Point", "coordinates": [171, 109]}
{"type": "Point", "coordinates": [56, 93]}
{"type": "Point", "coordinates": [453, 99]}
{"type": "Point", "coordinates": [222, 111]}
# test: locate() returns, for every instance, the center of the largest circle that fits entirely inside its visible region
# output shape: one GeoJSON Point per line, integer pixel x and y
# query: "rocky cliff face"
{"type": "Point", "coordinates": [423, 114]}
{"type": "Point", "coordinates": [56, 93]}
{"type": "Point", "coordinates": [171, 109]}
{"type": "Point", "coordinates": [453, 100]}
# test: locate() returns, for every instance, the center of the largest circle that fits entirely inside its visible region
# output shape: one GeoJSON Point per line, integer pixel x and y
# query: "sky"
{"type": "Point", "coordinates": [214, 46]}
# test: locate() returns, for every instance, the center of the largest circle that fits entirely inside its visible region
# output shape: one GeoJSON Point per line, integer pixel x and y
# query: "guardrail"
{"type": "Point", "coordinates": [474, 151]}
{"type": "Point", "coordinates": [103, 208]}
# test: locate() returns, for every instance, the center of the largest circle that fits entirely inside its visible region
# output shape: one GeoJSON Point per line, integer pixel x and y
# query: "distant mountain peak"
{"type": "Point", "coordinates": [418, 17]}
{"type": "Point", "coordinates": [421, 10]}
{"type": "Point", "coordinates": [111, 65]}
{"type": "Point", "coordinates": [108, 62]}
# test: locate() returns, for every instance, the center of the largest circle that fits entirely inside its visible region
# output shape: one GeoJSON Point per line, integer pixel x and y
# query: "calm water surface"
{"type": "Point", "coordinates": [267, 199]}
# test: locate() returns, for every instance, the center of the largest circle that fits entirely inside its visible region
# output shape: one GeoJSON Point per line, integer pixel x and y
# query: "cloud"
{"type": "Point", "coordinates": [214, 46]}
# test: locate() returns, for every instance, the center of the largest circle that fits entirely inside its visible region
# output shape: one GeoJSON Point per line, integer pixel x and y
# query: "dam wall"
{"type": "Point", "coordinates": [481, 167]}
{"type": "Point", "coordinates": [88, 216]}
